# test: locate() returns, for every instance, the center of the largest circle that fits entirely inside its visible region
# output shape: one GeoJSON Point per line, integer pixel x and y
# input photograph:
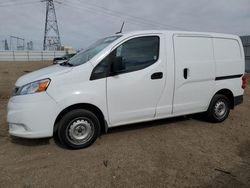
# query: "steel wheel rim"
{"type": "Point", "coordinates": [80, 130]}
{"type": "Point", "coordinates": [220, 109]}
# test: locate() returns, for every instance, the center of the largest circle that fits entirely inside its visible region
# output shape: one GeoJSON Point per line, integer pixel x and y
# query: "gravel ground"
{"type": "Point", "coordinates": [176, 152]}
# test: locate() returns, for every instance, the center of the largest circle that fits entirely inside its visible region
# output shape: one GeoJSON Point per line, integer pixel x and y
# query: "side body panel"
{"type": "Point", "coordinates": [194, 73]}
{"type": "Point", "coordinates": [132, 97]}
{"type": "Point", "coordinates": [137, 99]}
{"type": "Point", "coordinates": [165, 104]}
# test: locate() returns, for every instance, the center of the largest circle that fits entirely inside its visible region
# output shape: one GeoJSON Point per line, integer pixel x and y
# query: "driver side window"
{"type": "Point", "coordinates": [135, 54]}
{"type": "Point", "coordinates": [139, 53]}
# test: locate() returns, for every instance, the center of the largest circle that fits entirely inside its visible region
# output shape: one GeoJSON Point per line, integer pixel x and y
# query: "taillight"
{"type": "Point", "coordinates": [244, 81]}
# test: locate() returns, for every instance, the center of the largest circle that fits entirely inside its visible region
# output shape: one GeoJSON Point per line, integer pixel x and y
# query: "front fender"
{"type": "Point", "coordinates": [91, 92]}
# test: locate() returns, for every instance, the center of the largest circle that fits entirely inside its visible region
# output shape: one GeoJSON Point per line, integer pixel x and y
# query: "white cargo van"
{"type": "Point", "coordinates": [128, 78]}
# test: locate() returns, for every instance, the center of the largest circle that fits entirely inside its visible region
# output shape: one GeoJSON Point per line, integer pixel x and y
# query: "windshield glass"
{"type": "Point", "coordinates": [85, 55]}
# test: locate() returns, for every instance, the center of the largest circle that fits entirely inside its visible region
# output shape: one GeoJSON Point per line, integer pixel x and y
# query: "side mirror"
{"type": "Point", "coordinates": [117, 66]}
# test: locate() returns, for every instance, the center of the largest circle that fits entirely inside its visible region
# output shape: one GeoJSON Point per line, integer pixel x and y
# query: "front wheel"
{"type": "Point", "coordinates": [78, 129]}
{"type": "Point", "coordinates": [219, 109]}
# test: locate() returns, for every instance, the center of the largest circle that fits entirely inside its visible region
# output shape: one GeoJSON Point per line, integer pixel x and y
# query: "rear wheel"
{"type": "Point", "coordinates": [78, 129]}
{"type": "Point", "coordinates": [219, 109]}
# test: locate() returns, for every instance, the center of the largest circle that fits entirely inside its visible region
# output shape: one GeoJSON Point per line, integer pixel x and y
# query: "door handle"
{"type": "Point", "coordinates": [156, 75]}
{"type": "Point", "coordinates": [185, 73]}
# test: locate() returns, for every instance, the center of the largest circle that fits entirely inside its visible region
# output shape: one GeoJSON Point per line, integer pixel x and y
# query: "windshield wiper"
{"type": "Point", "coordinates": [66, 63]}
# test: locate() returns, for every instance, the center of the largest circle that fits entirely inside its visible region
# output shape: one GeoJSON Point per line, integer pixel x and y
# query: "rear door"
{"type": "Point", "coordinates": [132, 95]}
{"type": "Point", "coordinates": [195, 73]}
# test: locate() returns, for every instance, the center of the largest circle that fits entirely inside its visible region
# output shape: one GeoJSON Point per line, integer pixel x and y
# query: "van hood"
{"type": "Point", "coordinates": [47, 72]}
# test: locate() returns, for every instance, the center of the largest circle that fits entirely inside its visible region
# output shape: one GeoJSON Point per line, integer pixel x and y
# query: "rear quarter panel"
{"type": "Point", "coordinates": [230, 61]}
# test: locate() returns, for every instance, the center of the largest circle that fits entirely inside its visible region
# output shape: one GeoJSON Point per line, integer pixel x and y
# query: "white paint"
{"type": "Point", "coordinates": [195, 53]}
{"type": "Point", "coordinates": [134, 97]}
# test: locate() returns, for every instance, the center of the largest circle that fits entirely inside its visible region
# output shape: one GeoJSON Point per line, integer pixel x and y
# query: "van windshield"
{"type": "Point", "coordinates": [85, 55]}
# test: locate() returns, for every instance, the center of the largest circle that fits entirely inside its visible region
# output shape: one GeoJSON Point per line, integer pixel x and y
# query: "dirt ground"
{"type": "Point", "coordinates": [177, 152]}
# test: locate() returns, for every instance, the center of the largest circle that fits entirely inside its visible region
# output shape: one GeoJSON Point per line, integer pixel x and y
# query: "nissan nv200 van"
{"type": "Point", "coordinates": [129, 78]}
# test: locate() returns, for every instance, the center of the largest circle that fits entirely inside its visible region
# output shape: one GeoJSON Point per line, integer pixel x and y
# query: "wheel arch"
{"type": "Point", "coordinates": [94, 109]}
{"type": "Point", "coordinates": [229, 94]}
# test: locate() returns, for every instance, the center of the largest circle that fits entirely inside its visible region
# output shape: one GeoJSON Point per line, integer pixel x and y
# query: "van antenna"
{"type": "Point", "coordinates": [121, 28]}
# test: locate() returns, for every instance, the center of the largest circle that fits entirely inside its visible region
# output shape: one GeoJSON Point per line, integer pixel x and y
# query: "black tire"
{"type": "Point", "coordinates": [78, 129]}
{"type": "Point", "coordinates": [219, 109]}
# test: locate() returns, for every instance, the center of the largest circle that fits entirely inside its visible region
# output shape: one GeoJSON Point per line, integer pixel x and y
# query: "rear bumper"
{"type": "Point", "coordinates": [238, 100]}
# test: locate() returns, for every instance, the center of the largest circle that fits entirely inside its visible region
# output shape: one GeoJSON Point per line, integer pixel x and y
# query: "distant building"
{"type": "Point", "coordinates": [68, 49]}
{"type": "Point", "coordinates": [246, 43]}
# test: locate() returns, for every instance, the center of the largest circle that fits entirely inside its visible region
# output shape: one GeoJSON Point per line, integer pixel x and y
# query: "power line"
{"type": "Point", "coordinates": [21, 3]}
{"type": "Point", "coordinates": [82, 18]}
{"type": "Point", "coordinates": [152, 22]}
{"type": "Point", "coordinates": [100, 12]}
{"type": "Point", "coordinates": [9, 1]}
{"type": "Point", "coordinates": [96, 10]}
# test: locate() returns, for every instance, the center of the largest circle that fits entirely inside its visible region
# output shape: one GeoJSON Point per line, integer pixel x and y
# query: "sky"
{"type": "Point", "coordinates": [82, 22]}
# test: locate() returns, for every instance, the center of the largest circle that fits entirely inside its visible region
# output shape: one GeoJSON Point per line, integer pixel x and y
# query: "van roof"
{"type": "Point", "coordinates": [211, 34]}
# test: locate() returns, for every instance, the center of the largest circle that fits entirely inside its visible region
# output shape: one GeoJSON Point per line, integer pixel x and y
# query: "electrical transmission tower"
{"type": "Point", "coordinates": [19, 43]}
{"type": "Point", "coordinates": [51, 34]}
{"type": "Point", "coordinates": [5, 45]}
{"type": "Point", "coordinates": [30, 45]}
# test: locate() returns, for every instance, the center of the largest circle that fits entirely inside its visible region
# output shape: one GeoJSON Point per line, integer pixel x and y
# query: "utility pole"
{"type": "Point", "coordinates": [51, 33]}
{"type": "Point", "coordinates": [6, 47]}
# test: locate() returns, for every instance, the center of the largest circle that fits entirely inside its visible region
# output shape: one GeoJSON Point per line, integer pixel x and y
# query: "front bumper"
{"type": "Point", "coordinates": [32, 116]}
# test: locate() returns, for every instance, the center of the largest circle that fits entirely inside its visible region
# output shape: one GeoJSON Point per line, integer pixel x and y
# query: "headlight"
{"type": "Point", "coordinates": [33, 87]}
